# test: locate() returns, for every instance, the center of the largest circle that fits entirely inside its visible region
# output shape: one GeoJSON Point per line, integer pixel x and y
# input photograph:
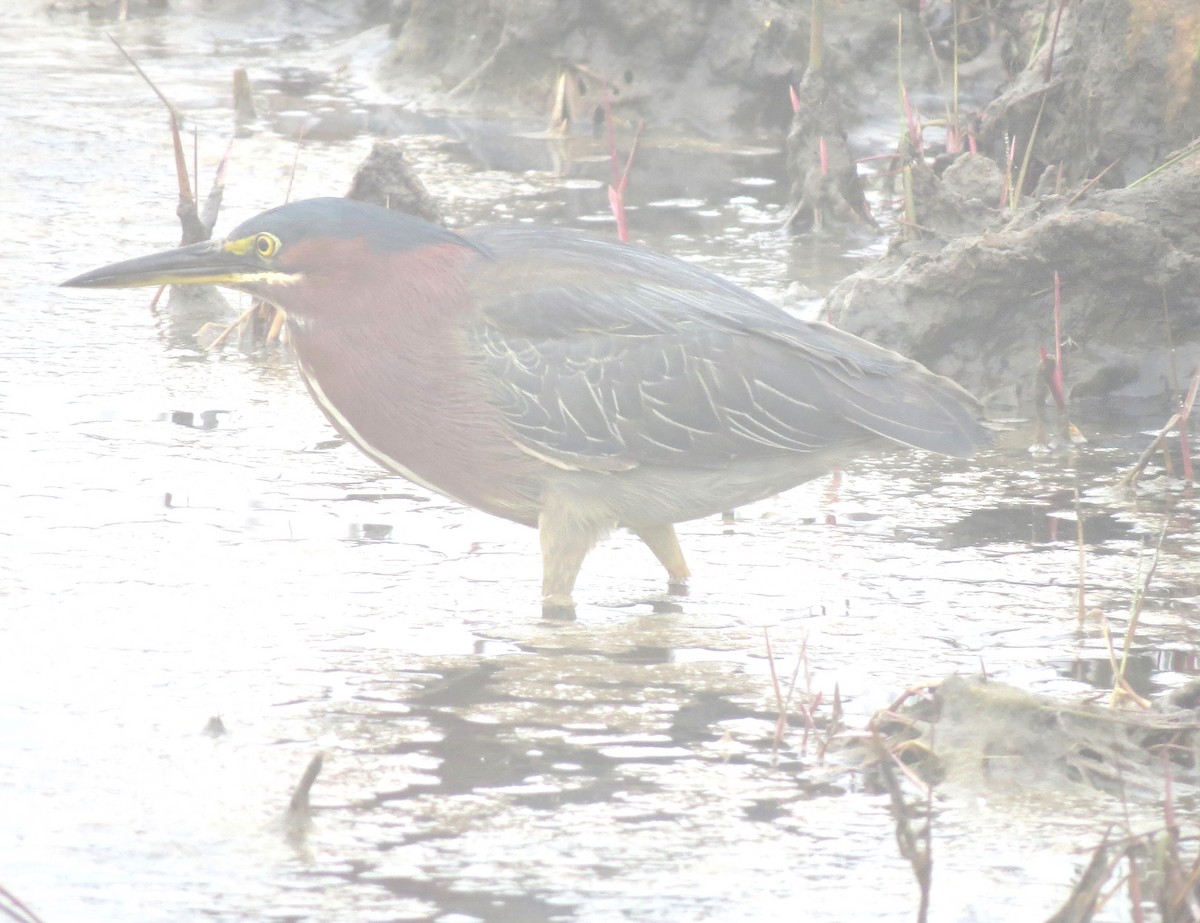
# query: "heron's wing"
{"type": "Point", "coordinates": [605, 357]}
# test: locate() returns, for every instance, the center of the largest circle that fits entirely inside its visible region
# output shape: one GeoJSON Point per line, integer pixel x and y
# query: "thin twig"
{"type": "Point", "coordinates": [1082, 592]}
{"type": "Point", "coordinates": [224, 335]}
{"type": "Point", "coordinates": [175, 113]}
{"type": "Point", "coordinates": [1086, 188]}
{"type": "Point", "coordinates": [781, 720]}
{"type": "Point", "coordinates": [1120, 683]}
{"type": "Point", "coordinates": [1028, 155]}
{"type": "Point", "coordinates": [26, 915]}
{"type": "Point", "coordinates": [1132, 475]}
{"type": "Point", "coordinates": [915, 847]}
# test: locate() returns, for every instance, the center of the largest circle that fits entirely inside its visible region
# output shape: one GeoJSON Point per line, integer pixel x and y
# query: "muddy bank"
{"type": "Point", "coordinates": [1114, 91]}
{"type": "Point", "coordinates": [708, 67]}
{"type": "Point", "coordinates": [1088, 176]}
{"type": "Point", "coordinates": [979, 306]}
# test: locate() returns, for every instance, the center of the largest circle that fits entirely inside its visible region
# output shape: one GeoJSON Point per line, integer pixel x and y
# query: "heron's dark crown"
{"type": "Point", "coordinates": [347, 219]}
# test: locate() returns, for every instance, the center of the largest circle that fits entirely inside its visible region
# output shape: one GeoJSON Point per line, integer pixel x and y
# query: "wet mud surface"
{"type": "Point", "coordinates": [183, 539]}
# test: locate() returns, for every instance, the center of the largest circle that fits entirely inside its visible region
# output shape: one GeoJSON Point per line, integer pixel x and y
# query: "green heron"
{"type": "Point", "coordinates": [561, 381]}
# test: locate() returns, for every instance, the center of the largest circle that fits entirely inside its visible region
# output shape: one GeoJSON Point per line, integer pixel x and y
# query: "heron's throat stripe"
{"type": "Point", "coordinates": [236, 278]}
{"type": "Point", "coordinates": [355, 437]}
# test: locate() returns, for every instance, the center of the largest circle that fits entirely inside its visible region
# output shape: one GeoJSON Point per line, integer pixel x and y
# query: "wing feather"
{"type": "Point", "coordinates": [605, 356]}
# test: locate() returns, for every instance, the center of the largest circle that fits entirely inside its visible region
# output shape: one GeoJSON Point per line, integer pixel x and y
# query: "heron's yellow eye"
{"type": "Point", "coordinates": [266, 245]}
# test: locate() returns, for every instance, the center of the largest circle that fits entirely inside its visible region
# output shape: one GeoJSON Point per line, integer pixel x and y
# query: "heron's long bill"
{"type": "Point", "coordinates": [210, 262]}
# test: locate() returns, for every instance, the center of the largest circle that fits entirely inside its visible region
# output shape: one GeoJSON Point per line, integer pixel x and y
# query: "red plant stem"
{"type": "Point", "coordinates": [1048, 372]}
{"type": "Point", "coordinates": [617, 206]}
{"type": "Point", "coordinates": [824, 156]}
{"type": "Point", "coordinates": [219, 178]}
{"type": "Point", "coordinates": [181, 173]}
{"type": "Point", "coordinates": [1060, 391]}
{"type": "Point", "coordinates": [1053, 42]}
{"type": "Point", "coordinates": [1135, 888]}
{"type": "Point", "coordinates": [795, 99]}
{"type": "Point", "coordinates": [620, 177]}
{"type": "Point", "coordinates": [953, 138]}
{"type": "Point", "coordinates": [910, 116]}
{"type": "Point", "coordinates": [616, 194]}
{"type": "Point", "coordinates": [781, 721]}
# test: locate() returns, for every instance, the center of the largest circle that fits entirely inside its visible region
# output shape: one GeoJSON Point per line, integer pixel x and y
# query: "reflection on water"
{"type": "Point", "coordinates": [185, 541]}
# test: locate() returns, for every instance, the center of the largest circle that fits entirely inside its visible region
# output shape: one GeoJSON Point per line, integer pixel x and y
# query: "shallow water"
{"type": "Point", "coordinates": [181, 541]}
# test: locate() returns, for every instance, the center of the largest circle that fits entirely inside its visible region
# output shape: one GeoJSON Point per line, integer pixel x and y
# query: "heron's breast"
{"type": "Point", "coordinates": [415, 408]}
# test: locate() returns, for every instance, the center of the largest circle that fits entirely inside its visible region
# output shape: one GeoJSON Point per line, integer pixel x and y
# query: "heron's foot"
{"type": "Point", "coordinates": [567, 531]}
{"type": "Point", "coordinates": [677, 586]}
{"type": "Point", "coordinates": [558, 607]}
{"type": "Point", "coordinates": [662, 540]}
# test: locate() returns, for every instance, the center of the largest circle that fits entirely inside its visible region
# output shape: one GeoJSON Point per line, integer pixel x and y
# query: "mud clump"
{"type": "Point", "coordinates": [975, 734]}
